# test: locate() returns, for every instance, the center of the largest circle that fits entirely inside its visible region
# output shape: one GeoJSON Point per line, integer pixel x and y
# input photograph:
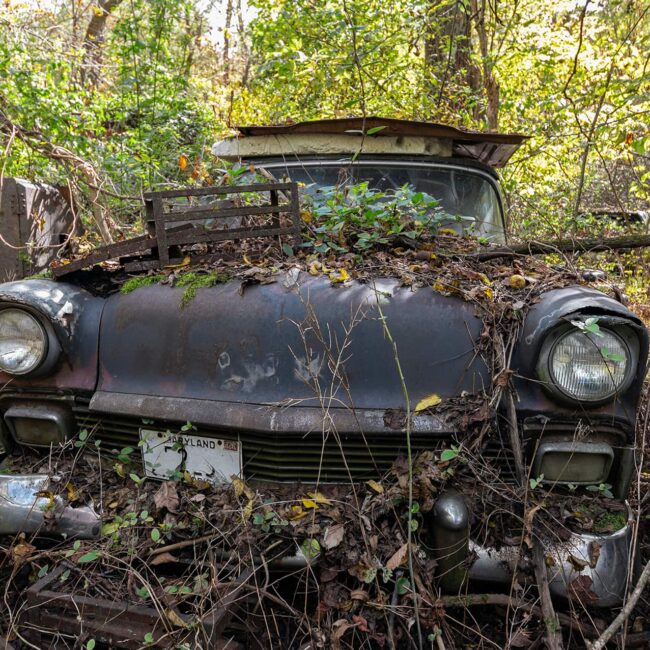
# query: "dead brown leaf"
{"type": "Point", "coordinates": [333, 536]}
{"type": "Point", "coordinates": [397, 558]}
{"type": "Point", "coordinates": [167, 497]}
{"type": "Point", "coordinates": [163, 558]}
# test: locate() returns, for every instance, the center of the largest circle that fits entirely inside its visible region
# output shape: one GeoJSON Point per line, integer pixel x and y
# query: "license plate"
{"type": "Point", "coordinates": [167, 455]}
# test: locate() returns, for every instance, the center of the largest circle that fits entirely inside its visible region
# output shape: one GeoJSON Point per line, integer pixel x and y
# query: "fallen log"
{"type": "Point", "coordinates": [579, 246]}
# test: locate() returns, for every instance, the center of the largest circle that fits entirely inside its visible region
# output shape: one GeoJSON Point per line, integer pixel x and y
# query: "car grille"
{"type": "Point", "coordinates": [536, 427]}
{"type": "Point", "coordinates": [291, 457]}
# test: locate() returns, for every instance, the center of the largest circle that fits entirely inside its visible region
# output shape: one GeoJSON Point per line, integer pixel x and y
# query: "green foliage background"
{"type": "Point", "coordinates": [573, 74]}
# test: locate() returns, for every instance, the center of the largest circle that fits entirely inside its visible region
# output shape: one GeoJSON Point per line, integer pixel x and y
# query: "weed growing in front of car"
{"type": "Point", "coordinates": [359, 218]}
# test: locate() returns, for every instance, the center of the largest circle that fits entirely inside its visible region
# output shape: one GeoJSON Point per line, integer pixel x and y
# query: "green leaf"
{"type": "Point", "coordinates": [155, 535]}
{"type": "Point", "coordinates": [448, 454]}
{"type": "Point", "coordinates": [375, 129]}
{"type": "Point", "coordinates": [43, 571]}
{"type": "Point", "coordinates": [287, 250]}
{"type": "Point", "coordinates": [403, 585]}
{"type": "Point", "coordinates": [310, 548]}
{"type": "Point", "coordinates": [110, 527]}
{"type": "Point", "coordinates": [90, 645]}
{"type": "Point", "coordinates": [91, 556]}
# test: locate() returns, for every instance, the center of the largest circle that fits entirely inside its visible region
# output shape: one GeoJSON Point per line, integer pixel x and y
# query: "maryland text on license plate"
{"type": "Point", "coordinates": [166, 454]}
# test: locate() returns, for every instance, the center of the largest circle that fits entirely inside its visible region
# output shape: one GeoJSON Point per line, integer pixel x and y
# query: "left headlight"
{"type": "Point", "coordinates": [586, 366]}
{"type": "Point", "coordinates": [23, 342]}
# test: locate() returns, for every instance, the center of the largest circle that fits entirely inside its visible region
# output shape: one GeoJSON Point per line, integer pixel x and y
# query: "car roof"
{"type": "Point", "coordinates": [399, 136]}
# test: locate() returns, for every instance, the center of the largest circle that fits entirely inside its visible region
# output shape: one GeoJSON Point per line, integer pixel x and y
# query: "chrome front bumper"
{"type": "Point", "coordinates": [26, 505]}
{"type": "Point", "coordinates": [586, 568]}
{"type": "Point", "coordinates": [592, 569]}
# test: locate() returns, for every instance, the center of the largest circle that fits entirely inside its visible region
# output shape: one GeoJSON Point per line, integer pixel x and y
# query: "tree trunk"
{"type": "Point", "coordinates": [446, 46]}
{"type": "Point", "coordinates": [489, 86]}
{"type": "Point", "coordinates": [94, 41]}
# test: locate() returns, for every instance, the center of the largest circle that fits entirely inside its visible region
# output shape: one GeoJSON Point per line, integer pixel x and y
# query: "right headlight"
{"type": "Point", "coordinates": [23, 342]}
{"type": "Point", "coordinates": [585, 366]}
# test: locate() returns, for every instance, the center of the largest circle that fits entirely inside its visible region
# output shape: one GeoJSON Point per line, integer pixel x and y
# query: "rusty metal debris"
{"type": "Point", "coordinates": [180, 218]}
{"type": "Point", "coordinates": [118, 623]}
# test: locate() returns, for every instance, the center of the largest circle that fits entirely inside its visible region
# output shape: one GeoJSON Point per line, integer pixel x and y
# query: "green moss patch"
{"type": "Point", "coordinates": [610, 522]}
{"type": "Point", "coordinates": [192, 282]}
{"type": "Point", "coordinates": [140, 281]}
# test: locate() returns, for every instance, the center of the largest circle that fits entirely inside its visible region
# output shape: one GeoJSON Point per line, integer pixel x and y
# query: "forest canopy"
{"type": "Point", "coordinates": [116, 98]}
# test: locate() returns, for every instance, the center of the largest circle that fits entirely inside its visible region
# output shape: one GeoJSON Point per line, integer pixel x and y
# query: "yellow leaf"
{"type": "Point", "coordinates": [306, 216]}
{"type": "Point", "coordinates": [174, 618]}
{"type": "Point", "coordinates": [309, 504]}
{"type": "Point", "coordinates": [186, 262]}
{"type": "Point", "coordinates": [98, 11]}
{"type": "Point", "coordinates": [239, 486]}
{"type": "Point", "coordinates": [72, 493]}
{"type": "Point", "coordinates": [320, 498]}
{"type": "Point", "coordinates": [377, 487]}
{"type": "Point", "coordinates": [314, 268]}
{"type": "Point", "coordinates": [22, 550]}
{"type": "Point", "coordinates": [119, 470]}
{"type": "Point", "coordinates": [447, 231]}
{"type": "Point", "coordinates": [517, 281]}
{"type": "Point", "coordinates": [340, 275]}
{"type": "Point", "coordinates": [488, 293]}
{"type": "Point", "coordinates": [248, 510]}
{"type": "Point", "coordinates": [427, 402]}
{"type": "Point", "coordinates": [47, 495]}
{"type": "Point", "coordinates": [182, 162]}
{"type": "Point", "coordinates": [296, 513]}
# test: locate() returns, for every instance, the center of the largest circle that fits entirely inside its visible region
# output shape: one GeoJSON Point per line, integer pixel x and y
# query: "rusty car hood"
{"type": "Point", "coordinates": [298, 341]}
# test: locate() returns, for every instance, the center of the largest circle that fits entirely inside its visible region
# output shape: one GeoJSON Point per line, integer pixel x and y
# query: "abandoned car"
{"type": "Point", "coordinates": [295, 380]}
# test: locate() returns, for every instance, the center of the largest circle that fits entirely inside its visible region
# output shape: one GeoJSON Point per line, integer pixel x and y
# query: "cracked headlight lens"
{"type": "Point", "coordinates": [23, 342]}
{"type": "Point", "coordinates": [588, 367]}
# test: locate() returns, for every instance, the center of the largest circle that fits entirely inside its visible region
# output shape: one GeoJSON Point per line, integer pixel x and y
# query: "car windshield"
{"type": "Point", "coordinates": [468, 196]}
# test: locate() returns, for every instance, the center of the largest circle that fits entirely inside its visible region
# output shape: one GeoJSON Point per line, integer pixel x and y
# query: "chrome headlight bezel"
{"type": "Point", "coordinates": [51, 349]}
{"type": "Point", "coordinates": [617, 327]}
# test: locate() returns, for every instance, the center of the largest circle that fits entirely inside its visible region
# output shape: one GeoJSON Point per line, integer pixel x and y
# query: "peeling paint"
{"type": "Point", "coordinates": [307, 370]}
{"type": "Point", "coordinates": [253, 373]}
{"type": "Point", "coordinates": [55, 301]}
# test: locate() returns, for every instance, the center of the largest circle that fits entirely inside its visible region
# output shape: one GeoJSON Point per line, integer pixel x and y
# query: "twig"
{"type": "Point", "coordinates": [409, 453]}
{"type": "Point", "coordinates": [470, 600]}
{"type": "Point", "coordinates": [553, 629]}
{"type": "Point", "coordinates": [624, 614]}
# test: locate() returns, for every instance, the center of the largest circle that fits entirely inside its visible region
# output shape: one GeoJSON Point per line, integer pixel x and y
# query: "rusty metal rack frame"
{"type": "Point", "coordinates": [116, 623]}
{"type": "Point", "coordinates": [166, 230]}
